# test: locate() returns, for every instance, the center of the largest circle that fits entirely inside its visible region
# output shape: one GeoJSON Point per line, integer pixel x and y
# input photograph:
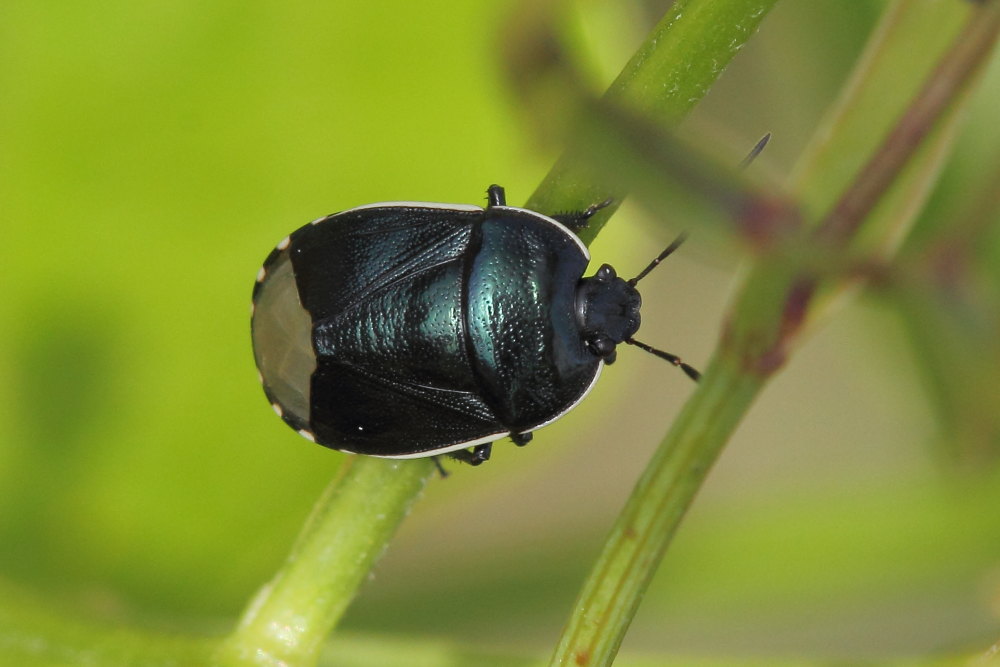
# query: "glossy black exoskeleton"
{"type": "Point", "coordinates": [414, 329]}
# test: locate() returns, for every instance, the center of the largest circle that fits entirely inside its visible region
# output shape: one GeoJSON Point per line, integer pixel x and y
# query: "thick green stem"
{"type": "Point", "coordinates": [670, 73]}
{"type": "Point", "coordinates": [349, 529]}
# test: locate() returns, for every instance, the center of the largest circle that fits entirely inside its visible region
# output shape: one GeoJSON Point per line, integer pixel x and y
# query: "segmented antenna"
{"type": "Point", "coordinates": [672, 358]}
{"type": "Point", "coordinates": [755, 151]}
{"type": "Point", "coordinates": [689, 370]}
{"type": "Point", "coordinates": [659, 258]}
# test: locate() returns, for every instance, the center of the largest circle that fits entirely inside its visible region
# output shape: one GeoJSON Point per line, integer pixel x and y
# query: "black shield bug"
{"type": "Point", "coordinates": [406, 330]}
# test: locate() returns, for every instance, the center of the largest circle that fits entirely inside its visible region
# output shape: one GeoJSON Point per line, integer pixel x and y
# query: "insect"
{"type": "Point", "coordinates": [407, 330]}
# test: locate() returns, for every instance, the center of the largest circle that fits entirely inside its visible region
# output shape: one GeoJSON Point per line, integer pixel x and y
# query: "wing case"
{"type": "Point", "coordinates": [384, 286]}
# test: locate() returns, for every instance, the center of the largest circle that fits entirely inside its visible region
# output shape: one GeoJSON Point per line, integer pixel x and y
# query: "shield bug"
{"type": "Point", "coordinates": [407, 330]}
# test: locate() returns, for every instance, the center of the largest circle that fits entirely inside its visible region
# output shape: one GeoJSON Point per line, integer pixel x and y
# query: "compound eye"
{"type": "Point", "coordinates": [602, 346]}
{"type": "Point", "coordinates": [606, 272]}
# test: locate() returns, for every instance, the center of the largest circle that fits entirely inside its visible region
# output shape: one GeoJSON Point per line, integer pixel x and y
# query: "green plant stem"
{"type": "Point", "coordinates": [649, 520]}
{"type": "Point", "coordinates": [671, 72]}
{"type": "Point", "coordinates": [355, 518]}
{"type": "Point", "coordinates": [951, 76]}
{"type": "Point", "coordinates": [348, 530]}
{"type": "Point", "coordinates": [766, 319]}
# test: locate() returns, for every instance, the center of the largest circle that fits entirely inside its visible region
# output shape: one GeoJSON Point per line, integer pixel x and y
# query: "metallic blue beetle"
{"type": "Point", "coordinates": [406, 329]}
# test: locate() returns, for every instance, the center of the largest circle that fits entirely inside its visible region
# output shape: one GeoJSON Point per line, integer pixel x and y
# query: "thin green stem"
{"type": "Point", "coordinates": [951, 76]}
{"type": "Point", "coordinates": [767, 317]}
{"type": "Point", "coordinates": [348, 530]}
{"type": "Point", "coordinates": [644, 529]}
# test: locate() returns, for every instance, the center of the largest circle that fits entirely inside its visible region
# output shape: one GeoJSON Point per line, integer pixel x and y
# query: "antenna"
{"type": "Point", "coordinates": [755, 151]}
{"type": "Point", "coordinates": [672, 358]}
{"type": "Point", "coordinates": [659, 258]}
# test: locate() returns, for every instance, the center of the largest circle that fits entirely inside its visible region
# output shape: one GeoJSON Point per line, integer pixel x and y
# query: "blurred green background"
{"type": "Point", "coordinates": [150, 156]}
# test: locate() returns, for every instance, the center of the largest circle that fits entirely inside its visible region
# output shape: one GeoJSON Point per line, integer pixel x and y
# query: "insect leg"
{"type": "Point", "coordinates": [495, 196]}
{"type": "Point", "coordinates": [521, 439]}
{"type": "Point", "coordinates": [479, 454]}
{"type": "Point", "coordinates": [577, 220]}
